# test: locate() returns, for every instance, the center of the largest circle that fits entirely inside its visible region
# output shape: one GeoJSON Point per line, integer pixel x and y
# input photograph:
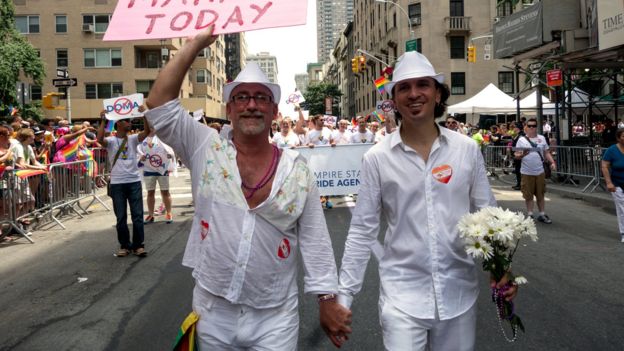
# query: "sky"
{"type": "Point", "coordinates": [294, 47]}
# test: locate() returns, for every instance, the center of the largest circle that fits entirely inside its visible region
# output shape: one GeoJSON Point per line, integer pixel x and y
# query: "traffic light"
{"type": "Point", "coordinates": [50, 101]}
{"type": "Point", "coordinates": [354, 65]}
{"type": "Point", "coordinates": [471, 53]}
{"type": "Point", "coordinates": [362, 63]}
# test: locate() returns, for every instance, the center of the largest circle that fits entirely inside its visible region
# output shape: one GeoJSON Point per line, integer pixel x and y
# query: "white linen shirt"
{"type": "Point", "coordinates": [248, 255]}
{"type": "Point", "coordinates": [424, 263]}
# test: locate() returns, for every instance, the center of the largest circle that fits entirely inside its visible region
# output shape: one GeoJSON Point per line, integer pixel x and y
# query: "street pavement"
{"type": "Point", "coordinates": [572, 302]}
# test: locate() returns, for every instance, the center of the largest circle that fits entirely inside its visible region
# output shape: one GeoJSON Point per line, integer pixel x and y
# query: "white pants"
{"type": "Point", "coordinates": [618, 199]}
{"type": "Point", "coordinates": [226, 326]}
{"type": "Point", "coordinates": [404, 332]}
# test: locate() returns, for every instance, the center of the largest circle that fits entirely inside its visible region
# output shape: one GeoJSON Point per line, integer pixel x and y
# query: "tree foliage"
{"type": "Point", "coordinates": [315, 98]}
{"type": "Point", "coordinates": [17, 56]}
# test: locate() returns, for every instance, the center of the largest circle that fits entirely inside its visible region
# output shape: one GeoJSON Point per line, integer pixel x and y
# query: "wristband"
{"type": "Point", "coordinates": [326, 297]}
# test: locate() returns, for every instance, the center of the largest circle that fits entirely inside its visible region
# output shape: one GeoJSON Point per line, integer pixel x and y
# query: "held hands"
{"type": "Point", "coordinates": [336, 321]}
{"type": "Point", "coordinates": [512, 288]}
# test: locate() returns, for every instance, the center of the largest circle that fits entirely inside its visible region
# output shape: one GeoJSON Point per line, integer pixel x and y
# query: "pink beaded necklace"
{"type": "Point", "coordinates": [267, 176]}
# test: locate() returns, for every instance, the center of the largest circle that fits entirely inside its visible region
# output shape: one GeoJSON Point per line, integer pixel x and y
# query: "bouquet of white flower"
{"type": "Point", "coordinates": [493, 234]}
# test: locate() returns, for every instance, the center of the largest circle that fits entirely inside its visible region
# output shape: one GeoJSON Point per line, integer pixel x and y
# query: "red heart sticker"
{"type": "Point", "coordinates": [205, 227]}
{"type": "Point", "coordinates": [283, 251]}
{"type": "Point", "coordinates": [442, 173]}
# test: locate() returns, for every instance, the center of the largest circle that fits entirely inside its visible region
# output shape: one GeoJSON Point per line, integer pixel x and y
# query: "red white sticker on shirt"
{"type": "Point", "coordinates": [283, 251]}
{"type": "Point", "coordinates": [205, 227]}
{"type": "Point", "coordinates": [442, 173]}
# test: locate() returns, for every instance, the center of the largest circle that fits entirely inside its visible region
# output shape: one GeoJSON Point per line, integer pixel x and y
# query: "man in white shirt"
{"type": "Point", "coordinates": [319, 135]}
{"type": "Point", "coordinates": [422, 179]}
{"type": "Point", "coordinates": [256, 210]}
{"type": "Point", "coordinates": [341, 136]}
{"type": "Point", "coordinates": [532, 149]}
{"type": "Point", "coordinates": [362, 135]}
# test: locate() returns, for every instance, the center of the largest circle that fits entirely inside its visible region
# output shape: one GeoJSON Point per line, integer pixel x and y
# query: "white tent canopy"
{"type": "Point", "coordinates": [580, 99]}
{"type": "Point", "coordinates": [489, 100]}
{"type": "Point", "coordinates": [530, 101]}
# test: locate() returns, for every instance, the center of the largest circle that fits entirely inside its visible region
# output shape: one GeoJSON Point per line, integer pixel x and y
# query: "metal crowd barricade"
{"type": "Point", "coordinates": [573, 163]}
{"type": "Point", "coordinates": [10, 194]}
{"type": "Point", "coordinates": [71, 182]}
{"type": "Point", "coordinates": [497, 159]}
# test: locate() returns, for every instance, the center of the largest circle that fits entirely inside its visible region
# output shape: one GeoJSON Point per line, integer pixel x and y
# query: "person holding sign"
{"type": "Point", "coordinates": [125, 183]}
{"type": "Point", "coordinates": [256, 211]}
{"type": "Point", "coordinates": [157, 159]}
{"type": "Point", "coordinates": [423, 179]}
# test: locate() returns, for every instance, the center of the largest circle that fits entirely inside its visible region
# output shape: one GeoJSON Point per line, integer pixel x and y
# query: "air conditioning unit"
{"type": "Point", "coordinates": [416, 21]}
{"type": "Point", "coordinates": [497, 19]}
{"type": "Point", "coordinates": [87, 28]}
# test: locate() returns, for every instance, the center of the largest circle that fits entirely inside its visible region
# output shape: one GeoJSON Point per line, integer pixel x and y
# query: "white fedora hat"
{"type": "Point", "coordinates": [410, 65]}
{"type": "Point", "coordinates": [252, 74]}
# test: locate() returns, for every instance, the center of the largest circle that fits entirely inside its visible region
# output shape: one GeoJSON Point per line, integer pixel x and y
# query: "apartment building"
{"type": "Point", "coordinates": [68, 35]}
{"type": "Point", "coordinates": [442, 31]}
{"type": "Point", "coordinates": [268, 64]}
{"type": "Point", "coordinates": [235, 54]}
{"type": "Point", "coordinates": [332, 17]}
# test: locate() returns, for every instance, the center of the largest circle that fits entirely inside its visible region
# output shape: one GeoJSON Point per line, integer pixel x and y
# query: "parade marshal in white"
{"type": "Point", "coordinates": [422, 179]}
{"type": "Point", "coordinates": [256, 209]}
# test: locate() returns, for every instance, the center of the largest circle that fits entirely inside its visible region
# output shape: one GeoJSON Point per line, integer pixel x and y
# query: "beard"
{"type": "Point", "coordinates": [251, 123]}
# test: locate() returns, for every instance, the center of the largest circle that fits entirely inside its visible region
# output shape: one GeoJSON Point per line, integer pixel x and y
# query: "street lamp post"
{"type": "Point", "coordinates": [409, 21]}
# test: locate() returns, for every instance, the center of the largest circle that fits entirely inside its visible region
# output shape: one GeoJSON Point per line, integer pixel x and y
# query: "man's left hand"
{"type": "Point", "coordinates": [512, 289]}
{"type": "Point", "coordinates": [335, 321]}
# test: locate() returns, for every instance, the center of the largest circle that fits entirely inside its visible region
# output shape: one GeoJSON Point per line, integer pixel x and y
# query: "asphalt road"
{"type": "Point", "coordinates": [572, 302]}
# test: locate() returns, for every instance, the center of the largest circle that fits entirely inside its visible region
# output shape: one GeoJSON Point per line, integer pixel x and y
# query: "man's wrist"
{"type": "Point", "coordinates": [326, 298]}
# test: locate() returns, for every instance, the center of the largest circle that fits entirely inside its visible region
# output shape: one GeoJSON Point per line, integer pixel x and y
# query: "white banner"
{"type": "Point", "coordinates": [337, 169]}
{"type": "Point", "coordinates": [156, 156]}
{"type": "Point", "coordinates": [123, 107]}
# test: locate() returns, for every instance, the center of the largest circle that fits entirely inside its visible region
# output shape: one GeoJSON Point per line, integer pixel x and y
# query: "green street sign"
{"type": "Point", "coordinates": [411, 45]}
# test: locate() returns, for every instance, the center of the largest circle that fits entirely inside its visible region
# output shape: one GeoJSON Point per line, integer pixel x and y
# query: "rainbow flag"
{"type": "Point", "coordinates": [185, 341]}
{"type": "Point", "coordinates": [110, 126]}
{"type": "Point", "coordinates": [25, 173]}
{"type": "Point", "coordinates": [378, 117]}
{"type": "Point", "coordinates": [379, 84]}
{"type": "Point", "coordinates": [70, 152]}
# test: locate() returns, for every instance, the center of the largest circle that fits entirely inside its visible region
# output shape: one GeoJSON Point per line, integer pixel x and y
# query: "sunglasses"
{"type": "Point", "coordinates": [531, 125]}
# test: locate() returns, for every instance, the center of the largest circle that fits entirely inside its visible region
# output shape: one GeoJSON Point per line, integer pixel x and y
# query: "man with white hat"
{"type": "Point", "coordinates": [256, 210]}
{"type": "Point", "coordinates": [423, 179]}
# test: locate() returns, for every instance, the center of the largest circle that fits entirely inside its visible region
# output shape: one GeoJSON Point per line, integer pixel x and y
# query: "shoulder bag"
{"type": "Point", "coordinates": [123, 143]}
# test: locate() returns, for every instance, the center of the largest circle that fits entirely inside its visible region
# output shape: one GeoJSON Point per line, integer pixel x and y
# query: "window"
{"type": "Point", "coordinates": [35, 92]}
{"type": "Point", "coordinates": [144, 86]}
{"type": "Point", "coordinates": [458, 51]}
{"type": "Point", "coordinates": [458, 83]}
{"type": "Point", "coordinates": [99, 22]}
{"type": "Point", "coordinates": [102, 57]}
{"type": "Point", "coordinates": [27, 24]}
{"type": "Point", "coordinates": [61, 24]}
{"type": "Point", "coordinates": [202, 53]}
{"type": "Point", "coordinates": [506, 82]}
{"type": "Point", "coordinates": [200, 76]}
{"type": "Point", "coordinates": [504, 8]}
{"type": "Point", "coordinates": [103, 90]}
{"type": "Point", "coordinates": [62, 59]}
{"type": "Point", "coordinates": [457, 8]}
{"type": "Point", "coordinates": [415, 14]}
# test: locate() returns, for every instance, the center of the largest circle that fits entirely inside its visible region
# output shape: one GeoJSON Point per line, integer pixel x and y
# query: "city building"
{"type": "Point", "coordinates": [301, 82]}
{"type": "Point", "coordinates": [441, 30]}
{"type": "Point", "coordinates": [268, 64]}
{"type": "Point", "coordinates": [332, 17]}
{"type": "Point", "coordinates": [235, 54]}
{"type": "Point", "coordinates": [68, 35]}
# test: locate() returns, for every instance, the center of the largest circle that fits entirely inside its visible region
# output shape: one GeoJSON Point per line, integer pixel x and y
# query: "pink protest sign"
{"type": "Point", "coordinates": [160, 19]}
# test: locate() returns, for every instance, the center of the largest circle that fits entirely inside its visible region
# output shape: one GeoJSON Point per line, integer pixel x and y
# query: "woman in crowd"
{"type": "Point", "coordinates": [612, 166]}
{"type": "Point", "coordinates": [286, 138]}
{"type": "Point", "coordinates": [25, 160]}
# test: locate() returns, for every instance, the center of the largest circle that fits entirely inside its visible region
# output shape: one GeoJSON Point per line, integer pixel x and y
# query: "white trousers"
{"type": "Point", "coordinates": [404, 332]}
{"type": "Point", "coordinates": [226, 326]}
{"type": "Point", "coordinates": [618, 199]}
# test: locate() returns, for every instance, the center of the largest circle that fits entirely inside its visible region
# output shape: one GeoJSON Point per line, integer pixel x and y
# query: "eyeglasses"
{"type": "Point", "coordinates": [260, 99]}
{"type": "Point", "coordinates": [531, 125]}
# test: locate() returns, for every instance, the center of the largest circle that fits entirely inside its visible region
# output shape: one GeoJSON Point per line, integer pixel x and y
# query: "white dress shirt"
{"type": "Point", "coordinates": [248, 255]}
{"type": "Point", "coordinates": [424, 263]}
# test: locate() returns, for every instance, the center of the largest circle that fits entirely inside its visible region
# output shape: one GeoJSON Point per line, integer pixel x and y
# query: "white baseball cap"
{"type": "Point", "coordinates": [252, 74]}
{"type": "Point", "coordinates": [413, 64]}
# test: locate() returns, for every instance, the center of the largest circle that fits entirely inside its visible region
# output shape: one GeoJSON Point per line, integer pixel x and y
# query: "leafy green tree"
{"type": "Point", "coordinates": [17, 56]}
{"type": "Point", "coordinates": [315, 98]}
